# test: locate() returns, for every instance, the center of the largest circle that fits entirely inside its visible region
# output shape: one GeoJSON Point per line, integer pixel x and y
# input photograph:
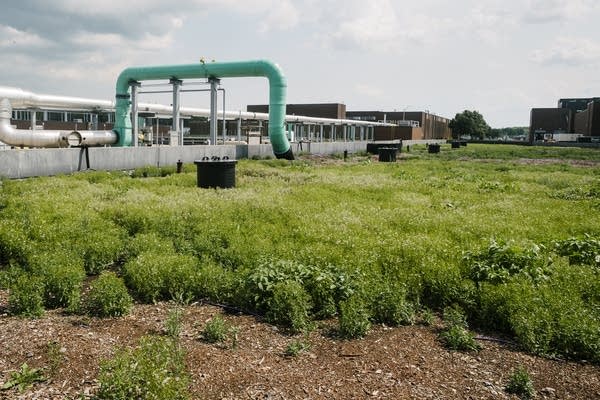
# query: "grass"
{"type": "Point", "coordinates": [512, 243]}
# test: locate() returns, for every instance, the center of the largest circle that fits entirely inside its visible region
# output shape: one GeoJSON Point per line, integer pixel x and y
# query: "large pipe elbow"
{"type": "Point", "coordinates": [255, 68]}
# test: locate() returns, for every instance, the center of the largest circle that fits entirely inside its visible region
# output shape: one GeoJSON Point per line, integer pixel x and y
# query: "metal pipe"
{"type": "Point", "coordinates": [134, 111]}
{"type": "Point", "coordinates": [277, 92]}
{"type": "Point", "coordinates": [42, 138]}
{"type": "Point", "coordinates": [213, 110]}
{"type": "Point", "coordinates": [176, 106]}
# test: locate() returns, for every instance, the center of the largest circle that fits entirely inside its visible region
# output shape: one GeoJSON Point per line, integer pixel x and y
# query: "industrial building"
{"type": "Point", "coordinates": [400, 125]}
{"type": "Point", "coordinates": [575, 119]}
{"type": "Point", "coordinates": [410, 125]}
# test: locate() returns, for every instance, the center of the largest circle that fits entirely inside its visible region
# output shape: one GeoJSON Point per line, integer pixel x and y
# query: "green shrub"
{"type": "Point", "coordinates": [24, 378]}
{"type": "Point", "coordinates": [520, 384]}
{"type": "Point", "coordinates": [289, 306]}
{"type": "Point", "coordinates": [456, 335]}
{"type": "Point", "coordinates": [215, 282]}
{"type": "Point", "coordinates": [26, 296]}
{"type": "Point", "coordinates": [585, 250]}
{"type": "Point", "coordinates": [153, 277]}
{"type": "Point", "coordinates": [173, 324]}
{"type": "Point", "coordinates": [391, 307]}
{"type": "Point", "coordinates": [108, 296]}
{"type": "Point", "coordinates": [63, 276]}
{"type": "Point", "coordinates": [154, 370]}
{"type": "Point", "coordinates": [216, 330]}
{"type": "Point", "coordinates": [458, 338]}
{"type": "Point", "coordinates": [147, 242]}
{"type": "Point", "coordinates": [354, 319]}
{"type": "Point", "coordinates": [499, 261]}
{"type": "Point", "coordinates": [296, 347]}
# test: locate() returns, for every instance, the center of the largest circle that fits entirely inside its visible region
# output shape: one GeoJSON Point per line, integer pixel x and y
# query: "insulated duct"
{"type": "Point", "coordinates": [277, 93]}
{"type": "Point", "coordinates": [43, 138]}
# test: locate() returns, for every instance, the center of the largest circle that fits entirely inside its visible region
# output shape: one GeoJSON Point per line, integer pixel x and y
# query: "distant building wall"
{"type": "Point", "coordinates": [432, 126]}
{"type": "Point", "coordinates": [581, 125]}
{"type": "Point", "coordinates": [550, 120]}
{"type": "Point", "coordinates": [318, 110]}
{"type": "Point", "coordinates": [398, 133]}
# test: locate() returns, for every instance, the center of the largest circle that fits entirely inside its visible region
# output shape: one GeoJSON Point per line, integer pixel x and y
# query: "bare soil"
{"type": "Point", "coordinates": [390, 363]}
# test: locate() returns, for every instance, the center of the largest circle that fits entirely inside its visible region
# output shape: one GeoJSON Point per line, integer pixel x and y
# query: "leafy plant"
{"type": "Point", "coordinates": [500, 261]}
{"type": "Point", "coordinates": [295, 347]}
{"type": "Point", "coordinates": [585, 250]}
{"type": "Point", "coordinates": [154, 370]}
{"type": "Point", "coordinates": [456, 335]}
{"type": "Point", "coordinates": [24, 378]}
{"type": "Point", "coordinates": [216, 330]}
{"type": "Point", "coordinates": [108, 296]}
{"type": "Point", "coordinates": [173, 324]}
{"type": "Point", "coordinates": [289, 306]}
{"type": "Point", "coordinates": [26, 296]}
{"type": "Point", "coordinates": [391, 307]}
{"type": "Point", "coordinates": [520, 384]}
{"type": "Point", "coordinates": [354, 319]}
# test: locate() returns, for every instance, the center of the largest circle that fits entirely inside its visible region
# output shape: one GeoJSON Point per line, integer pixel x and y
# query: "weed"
{"type": "Point", "coordinates": [174, 323]}
{"type": "Point", "coordinates": [520, 384]}
{"type": "Point", "coordinates": [216, 330]}
{"type": "Point", "coordinates": [295, 347]}
{"type": "Point", "coordinates": [24, 378]}
{"type": "Point", "coordinates": [585, 250]}
{"type": "Point", "coordinates": [354, 320]}
{"type": "Point", "coordinates": [26, 296]}
{"type": "Point", "coordinates": [55, 357]}
{"type": "Point", "coordinates": [108, 296]}
{"type": "Point", "coordinates": [289, 306]}
{"type": "Point", "coordinates": [459, 338]}
{"type": "Point", "coordinates": [154, 370]}
{"type": "Point", "coordinates": [427, 317]}
{"type": "Point", "coordinates": [456, 335]}
{"type": "Point", "coordinates": [391, 307]}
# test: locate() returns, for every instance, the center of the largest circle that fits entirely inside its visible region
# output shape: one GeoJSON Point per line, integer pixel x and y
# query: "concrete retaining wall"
{"type": "Point", "coordinates": [24, 163]}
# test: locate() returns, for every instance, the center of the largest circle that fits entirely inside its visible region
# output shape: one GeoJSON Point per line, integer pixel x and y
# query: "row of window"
{"type": "Point", "coordinates": [61, 116]}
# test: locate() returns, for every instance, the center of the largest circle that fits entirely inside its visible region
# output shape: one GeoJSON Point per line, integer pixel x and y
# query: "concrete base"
{"type": "Point", "coordinates": [25, 163]}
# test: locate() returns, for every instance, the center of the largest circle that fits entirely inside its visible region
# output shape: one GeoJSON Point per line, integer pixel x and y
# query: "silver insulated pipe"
{"type": "Point", "coordinates": [42, 138]}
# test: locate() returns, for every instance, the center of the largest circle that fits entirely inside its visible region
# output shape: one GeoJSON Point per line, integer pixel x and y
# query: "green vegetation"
{"type": "Point", "coordinates": [511, 240]}
{"type": "Point", "coordinates": [24, 378]}
{"type": "Point", "coordinates": [456, 335]}
{"type": "Point", "coordinates": [154, 370]}
{"type": "Point", "coordinates": [520, 384]}
{"type": "Point", "coordinates": [108, 296]}
{"type": "Point", "coordinates": [216, 330]}
{"type": "Point", "coordinates": [469, 123]}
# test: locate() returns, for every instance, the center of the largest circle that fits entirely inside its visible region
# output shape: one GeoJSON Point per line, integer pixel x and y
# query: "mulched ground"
{"type": "Point", "coordinates": [390, 363]}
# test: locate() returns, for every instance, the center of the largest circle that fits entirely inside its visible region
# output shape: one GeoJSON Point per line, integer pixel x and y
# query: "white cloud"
{"type": "Point", "coordinates": [569, 51]}
{"type": "Point", "coordinates": [11, 37]}
{"type": "Point", "coordinates": [547, 11]}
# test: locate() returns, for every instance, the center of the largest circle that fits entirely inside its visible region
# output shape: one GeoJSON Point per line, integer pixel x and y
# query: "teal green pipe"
{"type": "Point", "coordinates": [277, 92]}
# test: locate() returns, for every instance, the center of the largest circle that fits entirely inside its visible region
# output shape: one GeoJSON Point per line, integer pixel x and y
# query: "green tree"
{"type": "Point", "coordinates": [469, 123]}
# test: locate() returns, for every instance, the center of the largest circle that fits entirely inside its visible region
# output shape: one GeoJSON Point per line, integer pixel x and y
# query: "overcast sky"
{"type": "Point", "coordinates": [500, 57]}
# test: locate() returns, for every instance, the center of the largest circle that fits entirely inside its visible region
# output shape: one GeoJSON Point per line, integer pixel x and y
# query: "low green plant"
{"type": "Point", "coordinates": [154, 370]}
{"type": "Point", "coordinates": [289, 306]}
{"type": "Point", "coordinates": [62, 285]}
{"type": "Point", "coordinates": [520, 384]}
{"type": "Point", "coordinates": [499, 261]}
{"type": "Point", "coordinates": [174, 323]}
{"type": "Point", "coordinates": [295, 347]}
{"type": "Point", "coordinates": [354, 318]}
{"type": "Point", "coordinates": [167, 276]}
{"type": "Point", "coordinates": [108, 296]}
{"type": "Point", "coordinates": [456, 336]}
{"type": "Point", "coordinates": [24, 378]}
{"type": "Point", "coordinates": [216, 330]}
{"type": "Point", "coordinates": [55, 357]}
{"type": "Point", "coordinates": [391, 307]}
{"type": "Point", "coordinates": [26, 296]}
{"type": "Point", "coordinates": [459, 338]}
{"type": "Point", "coordinates": [427, 317]}
{"type": "Point", "coordinates": [582, 250]}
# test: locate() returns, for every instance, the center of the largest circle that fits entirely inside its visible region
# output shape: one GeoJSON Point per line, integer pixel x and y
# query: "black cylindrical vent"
{"type": "Point", "coordinates": [215, 173]}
